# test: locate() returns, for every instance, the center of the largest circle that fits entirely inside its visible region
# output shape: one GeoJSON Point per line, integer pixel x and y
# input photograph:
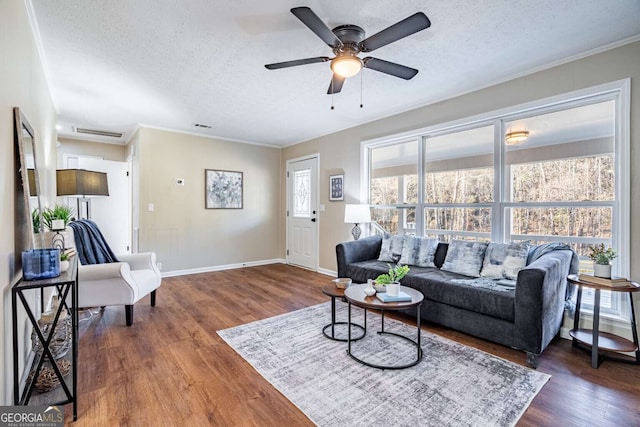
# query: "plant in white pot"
{"type": "Point", "coordinates": [64, 261]}
{"type": "Point", "coordinates": [57, 217]}
{"type": "Point", "coordinates": [392, 279]}
{"type": "Point", "coordinates": [602, 257]}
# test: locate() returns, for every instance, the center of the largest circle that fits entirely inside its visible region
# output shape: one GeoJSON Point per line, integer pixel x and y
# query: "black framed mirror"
{"type": "Point", "coordinates": [28, 210]}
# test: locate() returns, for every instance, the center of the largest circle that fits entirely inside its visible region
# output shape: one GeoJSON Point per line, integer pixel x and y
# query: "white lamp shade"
{"type": "Point", "coordinates": [357, 214]}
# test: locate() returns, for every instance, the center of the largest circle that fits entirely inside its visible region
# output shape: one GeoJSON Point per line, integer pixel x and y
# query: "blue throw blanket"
{"type": "Point", "coordinates": [91, 246]}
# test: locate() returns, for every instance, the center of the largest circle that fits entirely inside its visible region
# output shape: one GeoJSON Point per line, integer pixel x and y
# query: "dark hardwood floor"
{"type": "Point", "coordinates": [171, 368]}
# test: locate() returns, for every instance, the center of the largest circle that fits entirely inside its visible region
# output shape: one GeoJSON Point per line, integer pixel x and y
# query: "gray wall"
{"type": "Point", "coordinates": [180, 230]}
{"type": "Point", "coordinates": [341, 151]}
{"type": "Point", "coordinates": [22, 85]}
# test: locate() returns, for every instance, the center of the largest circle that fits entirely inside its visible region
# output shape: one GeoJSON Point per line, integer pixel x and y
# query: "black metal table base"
{"type": "Point", "coordinates": [333, 324]}
{"type": "Point", "coordinates": [383, 332]}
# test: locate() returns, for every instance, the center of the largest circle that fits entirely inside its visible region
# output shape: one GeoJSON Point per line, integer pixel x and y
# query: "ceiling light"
{"type": "Point", "coordinates": [516, 138]}
{"type": "Point", "coordinates": [346, 65]}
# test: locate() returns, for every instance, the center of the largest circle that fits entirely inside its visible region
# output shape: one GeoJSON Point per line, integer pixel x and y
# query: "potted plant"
{"type": "Point", "coordinates": [64, 261]}
{"type": "Point", "coordinates": [602, 257]}
{"type": "Point", "coordinates": [57, 218]}
{"type": "Point", "coordinates": [392, 278]}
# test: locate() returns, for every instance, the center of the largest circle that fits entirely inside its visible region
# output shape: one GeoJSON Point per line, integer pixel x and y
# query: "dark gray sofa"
{"type": "Point", "coordinates": [526, 318]}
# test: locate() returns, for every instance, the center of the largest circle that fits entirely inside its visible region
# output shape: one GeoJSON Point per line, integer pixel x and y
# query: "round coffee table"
{"type": "Point", "coordinates": [333, 292]}
{"type": "Point", "coordinates": [355, 295]}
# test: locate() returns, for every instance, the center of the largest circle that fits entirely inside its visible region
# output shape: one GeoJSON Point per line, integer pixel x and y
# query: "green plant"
{"type": "Point", "coordinates": [395, 274]}
{"type": "Point", "coordinates": [35, 219]}
{"type": "Point", "coordinates": [64, 256]}
{"type": "Point", "coordinates": [62, 212]}
{"type": "Point", "coordinates": [601, 254]}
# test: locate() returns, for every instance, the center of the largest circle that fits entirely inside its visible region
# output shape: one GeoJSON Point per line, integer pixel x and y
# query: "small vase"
{"type": "Point", "coordinates": [602, 270]}
{"type": "Point", "coordinates": [64, 265]}
{"type": "Point", "coordinates": [393, 289]}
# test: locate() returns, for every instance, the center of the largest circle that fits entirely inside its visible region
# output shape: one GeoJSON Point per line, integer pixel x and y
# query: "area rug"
{"type": "Point", "coordinates": [453, 385]}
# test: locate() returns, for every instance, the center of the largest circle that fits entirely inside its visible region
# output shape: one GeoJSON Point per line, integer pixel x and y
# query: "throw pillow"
{"type": "Point", "coordinates": [465, 257]}
{"type": "Point", "coordinates": [418, 251]}
{"type": "Point", "coordinates": [391, 249]}
{"type": "Point", "coordinates": [505, 260]}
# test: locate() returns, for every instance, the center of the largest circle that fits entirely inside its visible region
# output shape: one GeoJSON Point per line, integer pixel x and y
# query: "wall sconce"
{"type": "Point", "coordinates": [357, 214]}
{"type": "Point", "coordinates": [516, 138]}
{"type": "Point", "coordinates": [82, 184]}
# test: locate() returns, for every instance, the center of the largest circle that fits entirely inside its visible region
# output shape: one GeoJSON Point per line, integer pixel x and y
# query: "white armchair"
{"type": "Point", "coordinates": [124, 282]}
{"type": "Point", "coordinates": [119, 283]}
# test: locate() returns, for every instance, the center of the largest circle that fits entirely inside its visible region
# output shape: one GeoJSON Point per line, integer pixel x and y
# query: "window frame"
{"type": "Point", "coordinates": [618, 91]}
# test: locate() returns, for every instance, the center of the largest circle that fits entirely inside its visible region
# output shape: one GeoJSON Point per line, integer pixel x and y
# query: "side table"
{"type": "Point", "coordinates": [66, 287]}
{"type": "Point", "coordinates": [604, 340]}
{"type": "Point", "coordinates": [333, 292]}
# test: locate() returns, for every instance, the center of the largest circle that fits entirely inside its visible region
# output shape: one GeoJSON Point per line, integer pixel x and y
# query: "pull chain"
{"type": "Point", "coordinates": [332, 92]}
{"type": "Point", "coordinates": [361, 73]}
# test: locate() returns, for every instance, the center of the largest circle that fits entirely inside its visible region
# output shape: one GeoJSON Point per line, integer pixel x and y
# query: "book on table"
{"type": "Point", "coordinates": [613, 281]}
{"type": "Point", "coordinates": [402, 297]}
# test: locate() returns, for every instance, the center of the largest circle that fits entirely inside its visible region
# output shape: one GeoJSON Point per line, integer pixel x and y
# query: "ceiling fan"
{"type": "Point", "coordinates": [347, 41]}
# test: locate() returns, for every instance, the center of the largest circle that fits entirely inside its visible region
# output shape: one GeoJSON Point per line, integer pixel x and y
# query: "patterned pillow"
{"type": "Point", "coordinates": [391, 249]}
{"type": "Point", "coordinates": [465, 257]}
{"type": "Point", "coordinates": [504, 260]}
{"type": "Point", "coordinates": [418, 251]}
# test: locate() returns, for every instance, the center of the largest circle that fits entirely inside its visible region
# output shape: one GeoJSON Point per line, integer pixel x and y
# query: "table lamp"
{"type": "Point", "coordinates": [357, 214]}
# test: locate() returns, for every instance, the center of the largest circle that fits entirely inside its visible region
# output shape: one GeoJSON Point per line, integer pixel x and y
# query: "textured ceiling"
{"type": "Point", "coordinates": [114, 65]}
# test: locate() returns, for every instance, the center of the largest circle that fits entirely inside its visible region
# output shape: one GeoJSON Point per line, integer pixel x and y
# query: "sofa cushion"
{"type": "Point", "coordinates": [504, 260]}
{"type": "Point", "coordinates": [391, 249]}
{"type": "Point", "coordinates": [465, 257]}
{"type": "Point", "coordinates": [418, 251]}
{"type": "Point", "coordinates": [461, 291]}
{"type": "Point", "coordinates": [359, 272]}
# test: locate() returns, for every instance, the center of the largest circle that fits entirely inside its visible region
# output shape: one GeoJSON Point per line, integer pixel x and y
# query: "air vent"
{"type": "Point", "coordinates": [99, 132]}
{"type": "Point", "coordinates": [200, 125]}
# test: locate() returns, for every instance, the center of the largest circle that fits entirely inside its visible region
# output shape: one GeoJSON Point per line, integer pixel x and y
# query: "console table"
{"type": "Point", "coordinates": [66, 287]}
{"type": "Point", "coordinates": [603, 340]}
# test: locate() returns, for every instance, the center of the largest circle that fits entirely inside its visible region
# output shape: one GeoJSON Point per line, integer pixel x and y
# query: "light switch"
{"type": "Point", "coordinates": [150, 207]}
{"type": "Point", "coordinates": [321, 208]}
{"type": "Point", "coordinates": [180, 181]}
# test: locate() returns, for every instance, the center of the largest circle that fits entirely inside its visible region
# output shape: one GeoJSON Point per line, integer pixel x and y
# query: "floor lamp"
{"type": "Point", "coordinates": [357, 214]}
{"type": "Point", "coordinates": [83, 185]}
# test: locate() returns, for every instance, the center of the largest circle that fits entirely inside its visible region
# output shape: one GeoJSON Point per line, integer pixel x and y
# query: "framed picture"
{"type": "Point", "coordinates": [336, 187]}
{"type": "Point", "coordinates": [222, 189]}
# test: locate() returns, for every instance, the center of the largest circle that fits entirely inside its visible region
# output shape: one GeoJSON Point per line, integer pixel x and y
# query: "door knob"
{"type": "Point", "coordinates": [314, 212]}
{"type": "Point", "coordinates": [313, 220]}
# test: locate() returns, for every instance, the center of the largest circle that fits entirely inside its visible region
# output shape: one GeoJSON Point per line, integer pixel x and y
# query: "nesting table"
{"type": "Point", "coordinates": [334, 292]}
{"type": "Point", "coordinates": [355, 295]}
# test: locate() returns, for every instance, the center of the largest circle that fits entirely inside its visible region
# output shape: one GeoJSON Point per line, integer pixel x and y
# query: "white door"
{"type": "Point", "coordinates": [302, 208]}
{"type": "Point", "coordinates": [111, 213]}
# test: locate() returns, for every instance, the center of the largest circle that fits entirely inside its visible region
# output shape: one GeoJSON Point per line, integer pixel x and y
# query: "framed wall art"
{"type": "Point", "coordinates": [222, 189]}
{"type": "Point", "coordinates": [336, 187]}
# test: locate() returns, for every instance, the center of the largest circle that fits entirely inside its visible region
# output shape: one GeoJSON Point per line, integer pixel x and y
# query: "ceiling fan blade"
{"type": "Point", "coordinates": [297, 62]}
{"type": "Point", "coordinates": [390, 68]}
{"type": "Point", "coordinates": [336, 84]}
{"type": "Point", "coordinates": [406, 27]}
{"type": "Point", "coordinates": [316, 25]}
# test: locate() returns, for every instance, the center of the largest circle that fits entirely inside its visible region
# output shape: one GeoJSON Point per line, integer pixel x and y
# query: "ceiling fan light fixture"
{"type": "Point", "coordinates": [346, 65]}
{"type": "Point", "coordinates": [516, 138]}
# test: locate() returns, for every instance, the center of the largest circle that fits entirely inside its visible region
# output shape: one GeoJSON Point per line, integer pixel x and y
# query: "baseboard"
{"type": "Point", "coordinates": [328, 272]}
{"type": "Point", "coordinates": [222, 267]}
